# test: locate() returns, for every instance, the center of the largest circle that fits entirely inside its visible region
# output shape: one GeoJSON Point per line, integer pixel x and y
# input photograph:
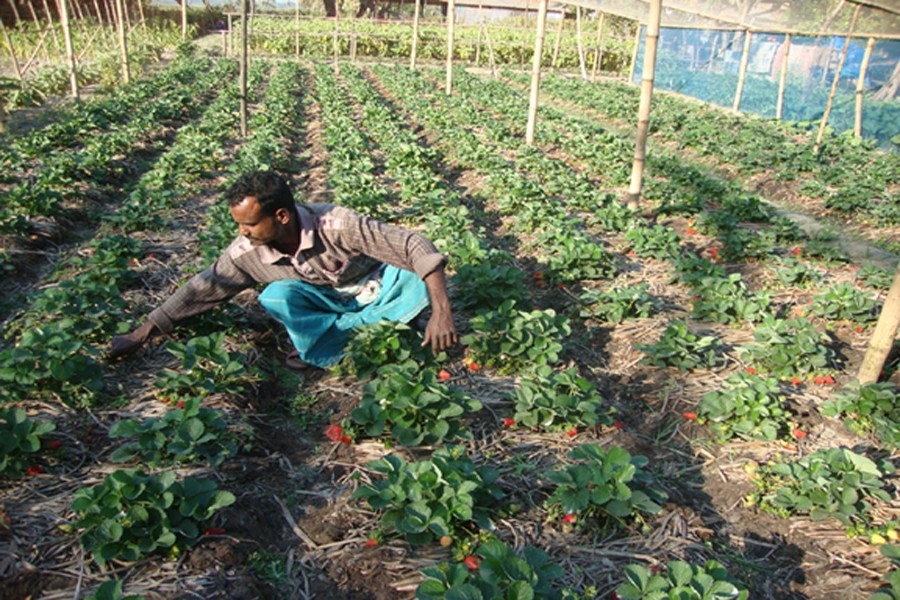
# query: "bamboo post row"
{"type": "Point", "coordinates": [413, 54]}
{"type": "Point", "coordinates": [742, 71]}
{"type": "Point", "coordinates": [580, 44]}
{"type": "Point", "coordinates": [243, 69]}
{"type": "Point", "coordinates": [536, 72]}
{"type": "Point", "coordinates": [598, 48]}
{"type": "Point", "coordinates": [782, 80]}
{"type": "Point", "coordinates": [837, 79]}
{"type": "Point", "coordinates": [861, 87]}
{"type": "Point", "coordinates": [643, 124]}
{"type": "Point", "coordinates": [123, 41]}
{"type": "Point", "coordinates": [451, 23]}
{"type": "Point", "coordinates": [70, 49]}
{"type": "Point", "coordinates": [558, 42]}
{"type": "Point", "coordinates": [634, 54]}
{"type": "Point", "coordinates": [883, 336]}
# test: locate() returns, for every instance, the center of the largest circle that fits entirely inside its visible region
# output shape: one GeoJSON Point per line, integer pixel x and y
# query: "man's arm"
{"type": "Point", "coordinates": [440, 332]}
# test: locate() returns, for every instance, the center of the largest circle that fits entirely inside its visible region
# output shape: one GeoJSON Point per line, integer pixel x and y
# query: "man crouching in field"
{"type": "Point", "coordinates": [329, 270]}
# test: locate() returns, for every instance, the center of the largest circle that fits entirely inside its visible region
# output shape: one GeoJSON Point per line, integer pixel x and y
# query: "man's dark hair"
{"type": "Point", "coordinates": [270, 190]}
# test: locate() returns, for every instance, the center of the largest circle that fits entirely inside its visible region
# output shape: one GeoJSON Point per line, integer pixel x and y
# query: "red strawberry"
{"type": "Point", "coordinates": [179, 404]}
{"type": "Point", "coordinates": [134, 262]}
{"type": "Point", "coordinates": [796, 251]}
{"type": "Point", "coordinates": [509, 422]}
{"type": "Point", "coordinates": [750, 370]}
{"type": "Point", "coordinates": [796, 381]}
{"type": "Point", "coordinates": [819, 380]}
{"type": "Point", "coordinates": [799, 434]}
{"type": "Point", "coordinates": [54, 444]}
{"type": "Point", "coordinates": [690, 416]}
{"type": "Point", "coordinates": [828, 379]}
{"type": "Point", "coordinates": [371, 542]}
{"type": "Point", "coordinates": [619, 425]}
{"type": "Point", "coordinates": [472, 561]}
{"type": "Point", "coordinates": [572, 432]}
{"type": "Point", "coordinates": [444, 374]}
{"type": "Point", "coordinates": [790, 447]}
{"type": "Point", "coordinates": [539, 283]}
{"type": "Point", "coordinates": [538, 275]}
{"type": "Point", "coordinates": [35, 470]}
{"type": "Point", "coordinates": [346, 439]}
{"type": "Point", "coordinates": [690, 231]}
{"type": "Point", "coordinates": [334, 433]}
{"type": "Point", "coordinates": [473, 366]}
{"type": "Point", "coordinates": [445, 541]}
{"type": "Point", "coordinates": [569, 518]}
{"type": "Point", "coordinates": [214, 531]}
{"type": "Point", "coordinates": [859, 329]}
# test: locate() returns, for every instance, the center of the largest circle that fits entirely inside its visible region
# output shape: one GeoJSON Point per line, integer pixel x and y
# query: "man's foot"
{"type": "Point", "coordinates": [293, 361]}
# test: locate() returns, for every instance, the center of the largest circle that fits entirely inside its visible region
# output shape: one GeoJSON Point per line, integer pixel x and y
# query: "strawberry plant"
{"type": "Point", "coordinates": [871, 409]}
{"type": "Point", "coordinates": [678, 580]}
{"type": "Point", "coordinates": [604, 484]}
{"type": "Point", "coordinates": [20, 439]}
{"type": "Point", "coordinates": [619, 304]}
{"type": "Point", "coordinates": [875, 277]}
{"type": "Point", "coordinates": [183, 435]}
{"type": "Point", "coordinates": [207, 369]}
{"type": "Point", "coordinates": [793, 273]}
{"type": "Point", "coordinates": [748, 406]}
{"type": "Point", "coordinates": [833, 482]}
{"type": "Point", "coordinates": [513, 340]}
{"type": "Point", "coordinates": [558, 401]}
{"type": "Point", "coordinates": [572, 257]}
{"type": "Point", "coordinates": [501, 573]}
{"type": "Point", "coordinates": [786, 348]}
{"type": "Point", "coordinates": [485, 285]}
{"type": "Point", "coordinates": [891, 589]}
{"type": "Point", "coordinates": [726, 300]}
{"type": "Point", "coordinates": [386, 343]}
{"type": "Point", "coordinates": [413, 406]}
{"type": "Point", "coordinates": [844, 302]}
{"type": "Point", "coordinates": [133, 514]}
{"type": "Point", "coordinates": [112, 590]}
{"type": "Point", "coordinates": [693, 269]}
{"type": "Point", "coordinates": [825, 247]}
{"type": "Point", "coordinates": [680, 348]}
{"type": "Point", "coordinates": [659, 242]}
{"type": "Point", "coordinates": [425, 500]}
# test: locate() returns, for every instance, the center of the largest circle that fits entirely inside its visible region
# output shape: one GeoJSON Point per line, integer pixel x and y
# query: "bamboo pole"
{"type": "Point", "coordinates": [140, 5]}
{"type": "Point", "coordinates": [243, 70]}
{"type": "Point", "coordinates": [70, 49]}
{"type": "Point", "coordinates": [861, 88]}
{"type": "Point", "coordinates": [12, 52]}
{"type": "Point", "coordinates": [230, 37]}
{"type": "Point", "coordinates": [76, 12]}
{"type": "Point", "coordinates": [353, 40]}
{"type": "Point", "coordinates": [335, 42]}
{"type": "Point", "coordinates": [580, 43]}
{"type": "Point", "coordinates": [480, 32]}
{"type": "Point", "coordinates": [782, 80]}
{"type": "Point", "coordinates": [536, 72]}
{"type": "Point", "coordinates": [184, 19]}
{"type": "Point", "coordinates": [524, 36]}
{"type": "Point", "coordinates": [837, 79]}
{"type": "Point", "coordinates": [451, 24]}
{"type": "Point", "coordinates": [742, 72]}
{"type": "Point", "coordinates": [643, 125]}
{"type": "Point", "coordinates": [883, 337]}
{"type": "Point", "coordinates": [123, 41]}
{"type": "Point", "coordinates": [713, 53]}
{"type": "Point", "coordinates": [490, 45]}
{"type": "Point", "coordinates": [43, 36]}
{"type": "Point", "coordinates": [413, 53]}
{"type": "Point", "coordinates": [15, 10]}
{"type": "Point", "coordinates": [50, 24]}
{"type": "Point", "coordinates": [634, 54]}
{"type": "Point", "coordinates": [558, 42]}
{"type": "Point", "coordinates": [598, 48]}
{"type": "Point", "coordinates": [297, 30]}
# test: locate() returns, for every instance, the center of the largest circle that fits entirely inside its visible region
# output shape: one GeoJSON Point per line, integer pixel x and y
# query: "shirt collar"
{"type": "Point", "coordinates": [307, 224]}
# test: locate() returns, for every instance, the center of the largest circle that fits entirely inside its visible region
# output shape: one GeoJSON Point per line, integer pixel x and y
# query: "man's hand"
{"type": "Point", "coordinates": [126, 345]}
{"type": "Point", "coordinates": [440, 332]}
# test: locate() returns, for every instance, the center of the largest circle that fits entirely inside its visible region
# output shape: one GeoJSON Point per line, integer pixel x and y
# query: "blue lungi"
{"type": "Point", "coordinates": [319, 319]}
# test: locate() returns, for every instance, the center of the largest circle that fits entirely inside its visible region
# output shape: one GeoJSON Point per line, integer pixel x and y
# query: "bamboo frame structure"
{"type": "Point", "coordinates": [580, 44]}
{"type": "Point", "coordinates": [742, 72]}
{"type": "Point", "coordinates": [12, 52]}
{"type": "Point", "coordinates": [70, 48]}
{"type": "Point", "coordinates": [243, 71]}
{"type": "Point", "coordinates": [834, 84]}
{"type": "Point", "coordinates": [558, 42]}
{"type": "Point", "coordinates": [534, 93]}
{"type": "Point", "coordinates": [184, 19]}
{"type": "Point", "coordinates": [451, 23]}
{"type": "Point", "coordinates": [883, 336]}
{"type": "Point", "coordinates": [123, 41]}
{"type": "Point", "coordinates": [861, 88]}
{"type": "Point", "coordinates": [782, 79]}
{"type": "Point", "coordinates": [413, 53]}
{"type": "Point", "coordinates": [643, 124]}
{"type": "Point", "coordinates": [598, 48]}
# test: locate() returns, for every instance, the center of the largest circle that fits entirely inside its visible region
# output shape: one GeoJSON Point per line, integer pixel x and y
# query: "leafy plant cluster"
{"type": "Point", "coordinates": [789, 348]}
{"type": "Point", "coordinates": [619, 304]}
{"type": "Point", "coordinates": [844, 302]}
{"type": "Point", "coordinates": [206, 369]}
{"type": "Point", "coordinates": [748, 406]}
{"type": "Point", "coordinates": [558, 401]}
{"type": "Point", "coordinates": [679, 580]}
{"type": "Point", "coordinates": [373, 347]}
{"type": "Point", "coordinates": [872, 409]}
{"type": "Point", "coordinates": [20, 441]}
{"type": "Point", "coordinates": [679, 347]}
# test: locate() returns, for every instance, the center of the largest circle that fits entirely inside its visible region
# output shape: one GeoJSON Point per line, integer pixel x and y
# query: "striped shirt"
{"type": "Point", "coordinates": [338, 247]}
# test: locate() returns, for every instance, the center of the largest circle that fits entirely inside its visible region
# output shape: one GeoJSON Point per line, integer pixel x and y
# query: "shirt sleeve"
{"type": "Point", "coordinates": [393, 245]}
{"type": "Point", "coordinates": [209, 288]}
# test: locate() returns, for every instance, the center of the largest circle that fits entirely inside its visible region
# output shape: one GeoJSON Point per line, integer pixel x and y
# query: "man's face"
{"type": "Point", "coordinates": [256, 226]}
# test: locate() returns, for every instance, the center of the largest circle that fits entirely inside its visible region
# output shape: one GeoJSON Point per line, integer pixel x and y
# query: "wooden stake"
{"type": "Point", "coordinates": [524, 36]}
{"type": "Point", "coordinates": [140, 5]}
{"type": "Point", "coordinates": [123, 41]}
{"type": "Point", "coordinates": [490, 45]}
{"type": "Point", "coordinates": [558, 43]}
{"type": "Point", "coordinates": [580, 44]}
{"type": "Point", "coordinates": [598, 48]}
{"type": "Point", "coordinates": [883, 337]}
{"type": "Point", "coordinates": [643, 124]}
{"type": "Point", "coordinates": [782, 80]}
{"type": "Point", "coordinates": [837, 79]}
{"type": "Point", "coordinates": [243, 72]}
{"type": "Point", "coordinates": [861, 88]}
{"type": "Point", "coordinates": [184, 19]}
{"type": "Point", "coordinates": [634, 54]}
{"type": "Point", "coordinates": [43, 36]}
{"type": "Point", "coordinates": [451, 24]}
{"type": "Point", "coordinates": [742, 72]}
{"type": "Point", "coordinates": [480, 32]}
{"type": "Point", "coordinates": [70, 49]}
{"type": "Point", "coordinates": [56, 43]}
{"type": "Point", "coordinates": [335, 43]}
{"type": "Point", "coordinates": [413, 53]}
{"type": "Point", "coordinates": [536, 72]}
{"type": "Point", "coordinates": [297, 30]}
{"type": "Point", "coordinates": [12, 52]}
{"type": "Point", "coordinates": [79, 16]}
{"type": "Point", "coordinates": [230, 37]}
